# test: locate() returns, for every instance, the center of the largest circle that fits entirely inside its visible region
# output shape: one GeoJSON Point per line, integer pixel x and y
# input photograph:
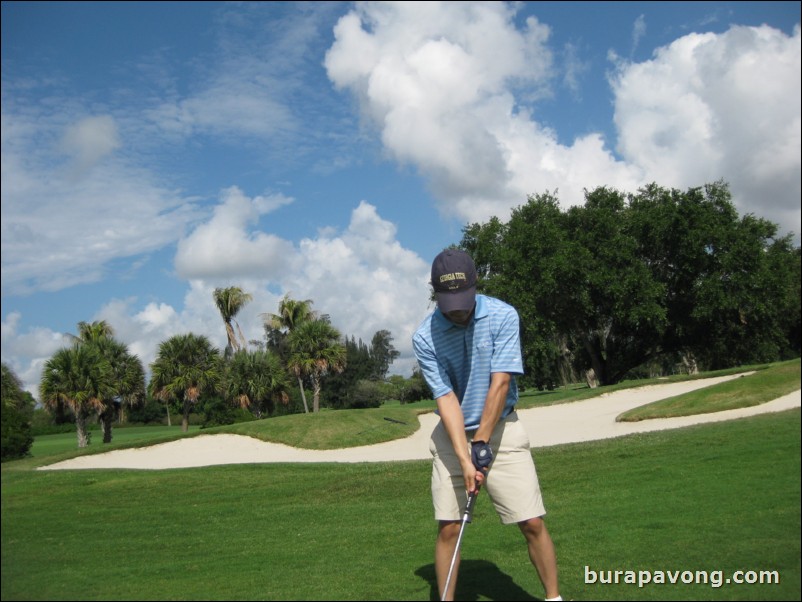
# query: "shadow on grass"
{"type": "Point", "coordinates": [478, 579]}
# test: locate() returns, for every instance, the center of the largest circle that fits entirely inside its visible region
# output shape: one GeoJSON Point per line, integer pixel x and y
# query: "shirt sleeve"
{"type": "Point", "coordinates": [436, 378]}
{"type": "Point", "coordinates": [507, 345]}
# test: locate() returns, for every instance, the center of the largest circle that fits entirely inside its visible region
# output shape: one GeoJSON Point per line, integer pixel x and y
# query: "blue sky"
{"type": "Point", "coordinates": [152, 151]}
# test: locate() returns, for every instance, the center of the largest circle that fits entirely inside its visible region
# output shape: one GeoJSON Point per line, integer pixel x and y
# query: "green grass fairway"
{"type": "Point", "coordinates": [721, 497]}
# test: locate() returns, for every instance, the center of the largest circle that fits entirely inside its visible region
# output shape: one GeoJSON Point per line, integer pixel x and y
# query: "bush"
{"type": "Point", "coordinates": [415, 389]}
{"type": "Point", "coordinates": [152, 411]}
{"type": "Point", "coordinates": [15, 432]}
{"type": "Point", "coordinates": [217, 411]}
{"type": "Point", "coordinates": [43, 423]}
{"type": "Point", "coordinates": [366, 394]}
{"type": "Point", "coordinates": [16, 412]}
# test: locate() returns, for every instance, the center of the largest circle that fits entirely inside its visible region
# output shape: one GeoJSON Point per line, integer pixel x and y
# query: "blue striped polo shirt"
{"type": "Point", "coordinates": [461, 358]}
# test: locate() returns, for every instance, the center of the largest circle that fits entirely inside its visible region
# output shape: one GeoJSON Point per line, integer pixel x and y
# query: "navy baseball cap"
{"type": "Point", "coordinates": [454, 281]}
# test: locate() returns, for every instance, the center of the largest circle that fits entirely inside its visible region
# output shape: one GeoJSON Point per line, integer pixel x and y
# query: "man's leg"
{"type": "Point", "coordinates": [447, 535]}
{"type": "Point", "coordinates": [542, 554]}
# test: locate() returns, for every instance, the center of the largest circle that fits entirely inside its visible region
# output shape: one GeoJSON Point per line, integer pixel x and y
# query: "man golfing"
{"type": "Point", "coordinates": [469, 351]}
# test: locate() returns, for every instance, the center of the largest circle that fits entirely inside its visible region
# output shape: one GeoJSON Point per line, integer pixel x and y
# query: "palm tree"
{"type": "Point", "coordinates": [80, 378]}
{"type": "Point", "coordinates": [291, 314]}
{"type": "Point", "coordinates": [229, 301]}
{"type": "Point", "coordinates": [256, 381]}
{"type": "Point", "coordinates": [129, 382]}
{"type": "Point", "coordinates": [128, 372]}
{"type": "Point", "coordinates": [315, 350]}
{"type": "Point", "coordinates": [95, 331]}
{"type": "Point", "coordinates": [186, 367]}
{"type": "Point", "coordinates": [86, 332]}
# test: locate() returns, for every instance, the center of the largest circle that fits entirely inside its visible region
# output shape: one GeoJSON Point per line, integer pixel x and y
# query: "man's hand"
{"type": "Point", "coordinates": [481, 455]}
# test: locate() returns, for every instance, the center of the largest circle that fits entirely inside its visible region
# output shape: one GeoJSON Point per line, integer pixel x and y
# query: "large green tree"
{"type": "Point", "coordinates": [630, 278]}
{"type": "Point", "coordinates": [731, 285]}
{"type": "Point", "coordinates": [315, 351]}
{"type": "Point", "coordinates": [229, 302]}
{"type": "Point", "coordinates": [186, 367]}
{"type": "Point", "coordinates": [616, 318]}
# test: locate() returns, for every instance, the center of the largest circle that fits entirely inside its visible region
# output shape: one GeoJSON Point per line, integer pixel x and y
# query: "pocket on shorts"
{"type": "Point", "coordinates": [515, 437]}
{"type": "Point", "coordinates": [439, 442]}
{"type": "Point", "coordinates": [433, 437]}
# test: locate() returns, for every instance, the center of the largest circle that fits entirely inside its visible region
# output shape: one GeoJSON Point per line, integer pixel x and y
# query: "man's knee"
{"type": "Point", "coordinates": [533, 527]}
{"type": "Point", "coordinates": [448, 530]}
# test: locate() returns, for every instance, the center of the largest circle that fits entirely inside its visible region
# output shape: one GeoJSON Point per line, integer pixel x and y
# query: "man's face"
{"type": "Point", "coordinates": [460, 316]}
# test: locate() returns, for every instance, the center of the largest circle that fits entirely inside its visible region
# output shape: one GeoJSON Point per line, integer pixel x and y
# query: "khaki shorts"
{"type": "Point", "coordinates": [511, 482]}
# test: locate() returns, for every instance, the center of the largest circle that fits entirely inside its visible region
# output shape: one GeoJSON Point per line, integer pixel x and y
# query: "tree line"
{"type": "Point", "coordinates": [638, 284]}
{"type": "Point", "coordinates": [97, 377]}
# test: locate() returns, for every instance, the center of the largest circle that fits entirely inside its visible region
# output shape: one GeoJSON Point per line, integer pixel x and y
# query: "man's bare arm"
{"type": "Point", "coordinates": [494, 405]}
{"type": "Point", "coordinates": [454, 423]}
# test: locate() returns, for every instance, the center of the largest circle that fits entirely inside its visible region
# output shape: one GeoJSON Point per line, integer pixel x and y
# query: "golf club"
{"type": "Point", "coordinates": [466, 518]}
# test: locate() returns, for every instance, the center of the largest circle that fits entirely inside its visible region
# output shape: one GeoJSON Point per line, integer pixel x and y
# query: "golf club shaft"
{"type": "Point", "coordinates": [466, 518]}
